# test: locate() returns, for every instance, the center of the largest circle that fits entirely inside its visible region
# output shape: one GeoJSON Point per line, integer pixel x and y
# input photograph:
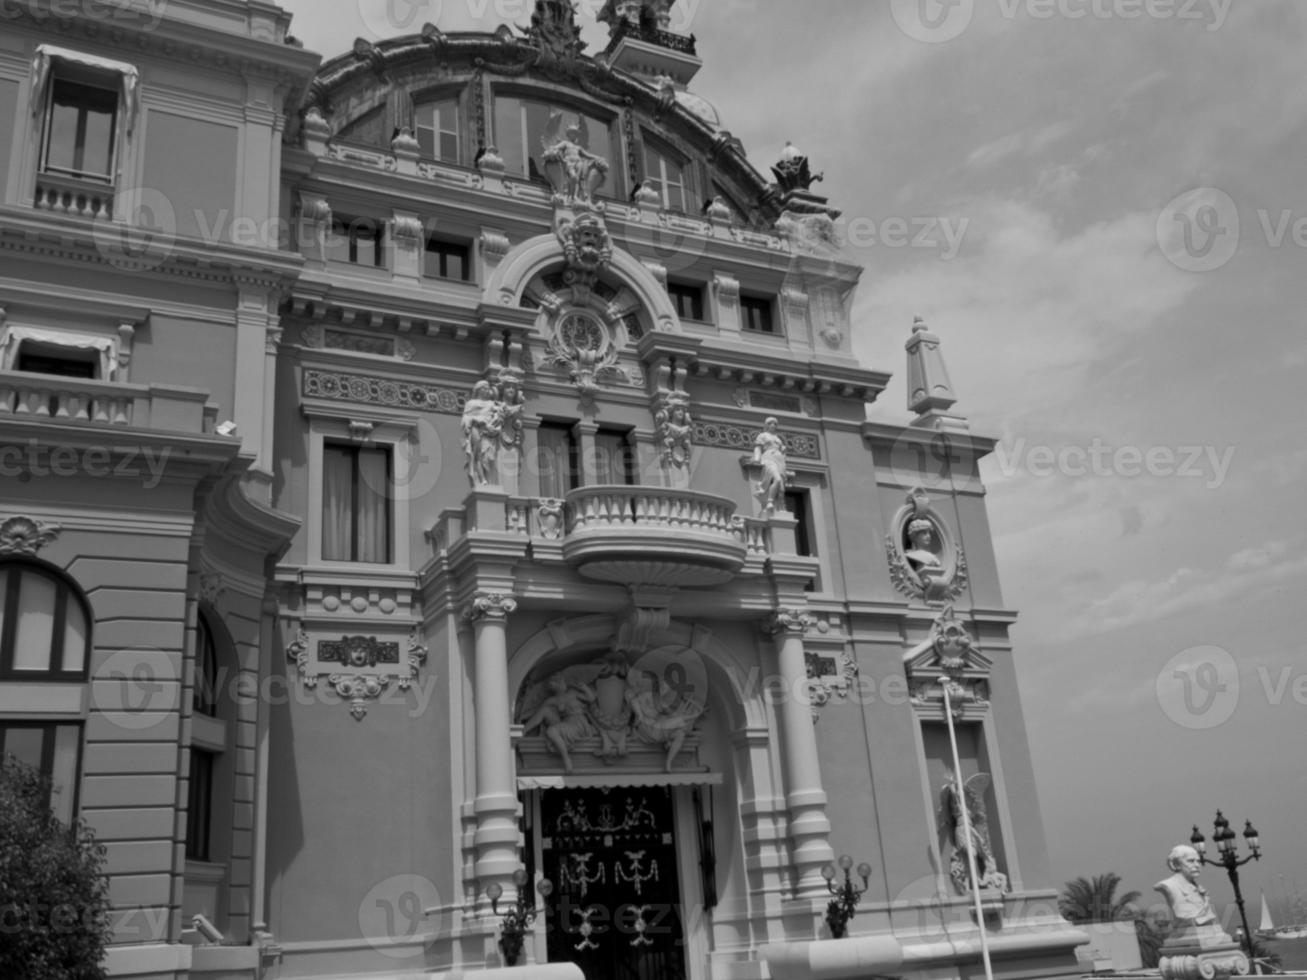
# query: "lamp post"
{"type": "Point", "coordinates": [1227, 849]}
{"type": "Point", "coordinates": [845, 903]}
{"type": "Point", "coordinates": [518, 919]}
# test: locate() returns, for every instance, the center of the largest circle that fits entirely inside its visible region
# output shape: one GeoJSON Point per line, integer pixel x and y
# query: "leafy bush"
{"type": "Point", "coordinates": [54, 905]}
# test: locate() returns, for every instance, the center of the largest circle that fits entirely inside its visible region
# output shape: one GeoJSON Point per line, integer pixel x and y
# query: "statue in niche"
{"type": "Point", "coordinates": [1188, 901]}
{"type": "Point", "coordinates": [564, 715]}
{"type": "Point", "coordinates": [674, 430]}
{"type": "Point", "coordinates": [483, 425]}
{"type": "Point", "coordinates": [921, 553]}
{"type": "Point", "coordinates": [660, 716]}
{"type": "Point", "coordinates": [950, 816]}
{"type": "Point", "coordinates": [573, 171]}
{"type": "Point", "coordinates": [769, 451]}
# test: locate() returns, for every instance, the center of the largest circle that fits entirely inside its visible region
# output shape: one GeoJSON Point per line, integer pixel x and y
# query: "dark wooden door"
{"type": "Point", "coordinates": [616, 906]}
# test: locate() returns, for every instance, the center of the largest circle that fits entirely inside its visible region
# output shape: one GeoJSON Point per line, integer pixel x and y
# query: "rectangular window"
{"type": "Point", "coordinates": [519, 132]}
{"type": "Point", "coordinates": [199, 806]}
{"type": "Point", "coordinates": [614, 458]}
{"type": "Point", "coordinates": [356, 496]}
{"type": "Point", "coordinates": [687, 299]}
{"type": "Point", "coordinates": [558, 459]}
{"type": "Point", "coordinates": [669, 177]}
{"type": "Point", "coordinates": [800, 508]}
{"type": "Point", "coordinates": [51, 359]}
{"type": "Point", "coordinates": [53, 749]}
{"type": "Point", "coordinates": [447, 260]}
{"type": "Point", "coordinates": [436, 126]}
{"type": "Point", "coordinates": [79, 131]}
{"type": "Point", "coordinates": [360, 241]}
{"type": "Point", "coordinates": [205, 698]}
{"type": "Point", "coordinates": [756, 314]}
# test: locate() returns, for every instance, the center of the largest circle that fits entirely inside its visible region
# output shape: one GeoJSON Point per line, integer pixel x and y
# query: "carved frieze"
{"type": "Point", "coordinates": [371, 390]}
{"type": "Point", "coordinates": [709, 432]}
{"type": "Point", "coordinates": [358, 669]}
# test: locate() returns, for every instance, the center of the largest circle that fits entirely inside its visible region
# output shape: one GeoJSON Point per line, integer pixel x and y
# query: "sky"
{"type": "Point", "coordinates": [1099, 206]}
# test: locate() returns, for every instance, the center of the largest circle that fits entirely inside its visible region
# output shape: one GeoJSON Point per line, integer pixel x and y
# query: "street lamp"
{"type": "Point", "coordinates": [845, 903]}
{"type": "Point", "coordinates": [1227, 849]}
{"type": "Point", "coordinates": [519, 917]}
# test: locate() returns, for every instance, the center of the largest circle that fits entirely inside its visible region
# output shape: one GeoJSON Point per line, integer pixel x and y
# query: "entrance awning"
{"type": "Point", "coordinates": [620, 779]}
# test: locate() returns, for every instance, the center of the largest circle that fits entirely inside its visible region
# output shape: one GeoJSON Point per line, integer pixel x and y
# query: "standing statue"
{"type": "Point", "coordinates": [674, 431]}
{"type": "Point", "coordinates": [950, 816]}
{"type": "Point", "coordinates": [574, 172]}
{"type": "Point", "coordinates": [483, 424]}
{"type": "Point", "coordinates": [512, 402]}
{"type": "Point", "coordinates": [564, 717]}
{"type": "Point", "coordinates": [769, 450]}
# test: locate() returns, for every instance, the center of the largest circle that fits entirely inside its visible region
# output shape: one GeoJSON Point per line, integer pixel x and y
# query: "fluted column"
{"type": "Point", "coordinates": [809, 828]}
{"type": "Point", "coordinates": [495, 806]}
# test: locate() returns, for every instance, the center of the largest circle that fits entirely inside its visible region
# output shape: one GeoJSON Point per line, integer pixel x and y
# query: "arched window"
{"type": "Point", "coordinates": [45, 635]}
{"type": "Point", "coordinates": [45, 629]}
{"type": "Point", "coordinates": [206, 669]}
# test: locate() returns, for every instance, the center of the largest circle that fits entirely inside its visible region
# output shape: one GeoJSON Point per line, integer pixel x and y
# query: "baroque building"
{"type": "Point", "coordinates": [439, 484]}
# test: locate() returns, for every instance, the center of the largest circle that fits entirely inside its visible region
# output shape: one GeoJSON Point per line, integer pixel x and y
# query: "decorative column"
{"type": "Point", "coordinates": [496, 837]}
{"type": "Point", "coordinates": [809, 827]}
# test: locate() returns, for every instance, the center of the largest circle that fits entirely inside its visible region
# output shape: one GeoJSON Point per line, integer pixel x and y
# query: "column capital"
{"type": "Point", "coordinates": [490, 605]}
{"type": "Point", "coordinates": [791, 620]}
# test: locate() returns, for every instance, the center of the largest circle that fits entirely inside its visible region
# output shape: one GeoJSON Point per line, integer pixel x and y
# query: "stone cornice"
{"type": "Point", "coordinates": [749, 367]}
{"type": "Point", "coordinates": [151, 36]}
{"type": "Point", "coordinates": [78, 241]}
{"type": "Point", "coordinates": [883, 434]}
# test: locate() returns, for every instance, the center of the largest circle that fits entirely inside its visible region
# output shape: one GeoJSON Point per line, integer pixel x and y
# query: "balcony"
{"type": "Point", "coordinates": [53, 398]}
{"type": "Point", "coordinates": [653, 536]}
{"type": "Point", "coordinates": [77, 196]}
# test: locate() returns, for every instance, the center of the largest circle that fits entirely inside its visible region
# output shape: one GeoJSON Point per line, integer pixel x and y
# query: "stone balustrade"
{"type": "Point", "coordinates": [47, 397]}
{"type": "Point", "coordinates": [71, 195]}
{"type": "Point", "coordinates": [653, 535]}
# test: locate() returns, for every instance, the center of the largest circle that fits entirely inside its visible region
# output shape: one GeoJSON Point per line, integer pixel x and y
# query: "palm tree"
{"type": "Point", "coordinates": [1151, 929]}
{"type": "Point", "coordinates": [1094, 900]}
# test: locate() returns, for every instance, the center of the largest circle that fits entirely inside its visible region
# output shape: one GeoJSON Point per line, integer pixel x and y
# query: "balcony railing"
{"type": "Point", "coordinates": [653, 535]}
{"type": "Point", "coordinates": [74, 195]}
{"type": "Point", "coordinates": [46, 397]}
{"type": "Point", "coordinates": [652, 35]}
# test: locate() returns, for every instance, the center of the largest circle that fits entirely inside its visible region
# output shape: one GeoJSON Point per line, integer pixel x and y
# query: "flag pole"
{"type": "Point", "coordinates": [944, 683]}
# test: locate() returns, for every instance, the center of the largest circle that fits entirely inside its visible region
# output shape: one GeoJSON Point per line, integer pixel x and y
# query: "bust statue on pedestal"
{"type": "Point", "coordinates": [1197, 945]}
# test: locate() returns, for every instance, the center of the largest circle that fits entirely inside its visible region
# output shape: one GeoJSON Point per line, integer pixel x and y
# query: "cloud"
{"type": "Point", "coordinates": [1140, 601]}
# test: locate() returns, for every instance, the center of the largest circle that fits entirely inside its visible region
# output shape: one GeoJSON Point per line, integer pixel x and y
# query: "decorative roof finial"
{"type": "Point", "coordinates": [929, 388]}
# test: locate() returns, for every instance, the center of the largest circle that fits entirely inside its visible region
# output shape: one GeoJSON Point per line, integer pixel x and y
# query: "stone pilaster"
{"type": "Point", "coordinates": [495, 806]}
{"type": "Point", "coordinates": [809, 828]}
